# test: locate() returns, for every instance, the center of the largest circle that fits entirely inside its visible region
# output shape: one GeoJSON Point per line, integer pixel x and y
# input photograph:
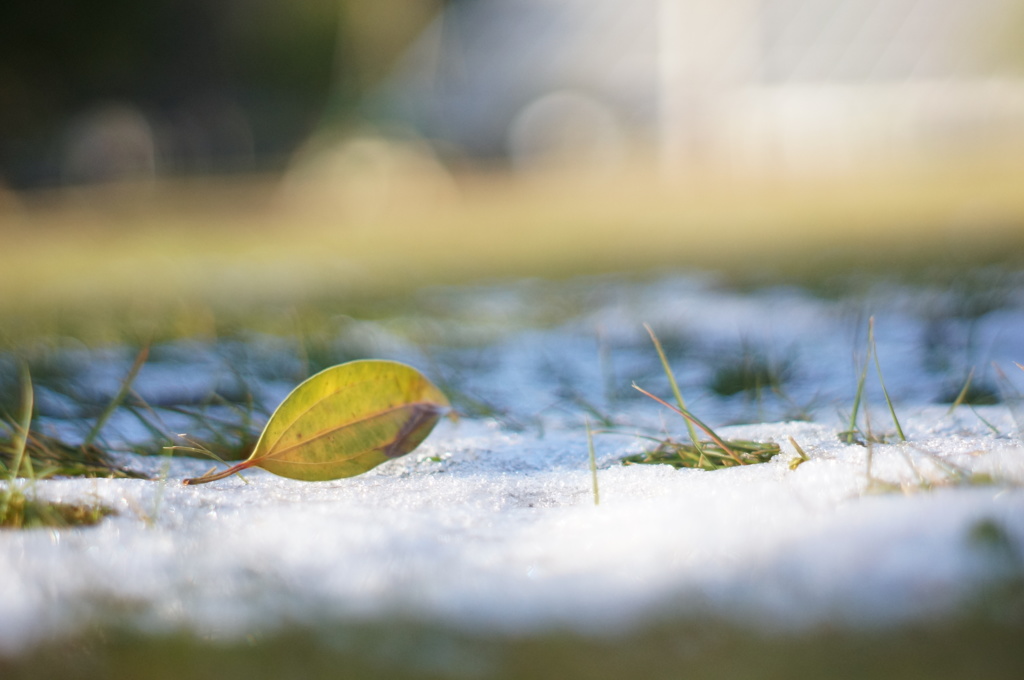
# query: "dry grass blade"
{"type": "Point", "coordinates": [696, 421]}
{"type": "Point", "coordinates": [30, 453]}
{"type": "Point", "coordinates": [711, 457]}
{"type": "Point", "coordinates": [22, 427]}
{"type": "Point", "coordinates": [199, 449]}
{"type": "Point", "coordinates": [674, 385]}
{"type": "Point", "coordinates": [803, 457]}
{"type": "Point", "coordinates": [18, 511]}
{"type": "Point", "coordinates": [30, 449]}
{"type": "Point", "coordinates": [963, 393]}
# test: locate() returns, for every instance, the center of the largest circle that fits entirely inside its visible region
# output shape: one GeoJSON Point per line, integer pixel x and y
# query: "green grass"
{"type": "Point", "coordinates": [21, 510]}
{"type": "Point", "coordinates": [971, 393]}
{"type": "Point", "coordinates": [51, 456]}
{"type": "Point", "coordinates": [19, 457]}
{"type": "Point", "coordinates": [694, 439]}
{"type": "Point", "coordinates": [748, 371]}
{"type": "Point", "coordinates": [28, 452]}
{"type": "Point", "coordinates": [711, 454]}
{"type": "Point", "coordinates": [195, 258]}
{"type": "Point", "coordinates": [853, 434]}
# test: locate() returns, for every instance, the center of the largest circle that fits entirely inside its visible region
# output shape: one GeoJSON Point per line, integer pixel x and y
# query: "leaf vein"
{"type": "Point", "coordinates": [273, 454]}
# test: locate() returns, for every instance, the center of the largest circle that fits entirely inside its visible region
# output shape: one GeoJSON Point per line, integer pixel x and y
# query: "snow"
{"type": "Point", "coordinates": [488, 528]}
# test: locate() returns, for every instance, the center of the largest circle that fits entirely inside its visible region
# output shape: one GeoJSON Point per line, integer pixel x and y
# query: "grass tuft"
{"type": "Point", "coordinates": [749, 372]}
{"type": "Point", "coordinates": [675, 386]}
{"type": "Point", "coordinates": [19, 510]}
{"type": "Point", "coordinates": [852, 434]}
{"type": "Point", "coordinates": [712, 454]}
{"type": "Point", "coordinates": [27, 452]}
{"type": "Point", "coordinates": [881, 381]}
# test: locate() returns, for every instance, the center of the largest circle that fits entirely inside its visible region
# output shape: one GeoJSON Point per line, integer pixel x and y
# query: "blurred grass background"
{"type": "Point", "coordinates": [166, 164]}
{"type": "Point", "coordinates": [158, 254]}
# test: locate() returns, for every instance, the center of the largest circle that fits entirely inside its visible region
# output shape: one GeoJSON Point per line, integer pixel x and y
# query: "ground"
{"type": "Point", "coordinates": [483, 553]}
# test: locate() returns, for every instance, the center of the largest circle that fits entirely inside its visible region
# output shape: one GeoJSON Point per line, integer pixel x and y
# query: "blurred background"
{"type": "Point", "coordinates": [112, 90]}
{"type": "Point", "coordinates": [533, 135]}
{"type": "Point", "coordinates": [107, 90]}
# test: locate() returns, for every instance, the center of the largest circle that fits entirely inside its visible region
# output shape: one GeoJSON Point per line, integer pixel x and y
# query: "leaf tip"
{"type": "Point", "coordinates": [422, 419]}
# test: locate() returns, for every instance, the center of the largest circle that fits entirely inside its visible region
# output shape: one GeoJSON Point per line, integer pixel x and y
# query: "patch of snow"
{"type": "Point", "coordinates": [481, 528]}
{"type": "Point", "coordinates": [487, 528]}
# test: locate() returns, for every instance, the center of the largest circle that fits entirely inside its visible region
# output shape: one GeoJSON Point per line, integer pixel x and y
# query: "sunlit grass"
{"type": "Point", "coordinates": [19, 457]}
{"type": "Point", "coordinates": [714, 453]}
{"type": "Point", "coordinates": [186, 257]}
{"type": "Point", "coordinates": [19, 509]}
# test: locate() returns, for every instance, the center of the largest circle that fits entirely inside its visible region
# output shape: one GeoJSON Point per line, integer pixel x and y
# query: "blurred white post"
{"type": "Point", "coordinates": [670, 86]}
{"type": "Point", "coordinates": [706, 49]}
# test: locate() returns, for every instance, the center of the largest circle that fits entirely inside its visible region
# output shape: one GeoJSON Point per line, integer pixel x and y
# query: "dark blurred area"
{"type": "Point", "coordinates": [115, 89]}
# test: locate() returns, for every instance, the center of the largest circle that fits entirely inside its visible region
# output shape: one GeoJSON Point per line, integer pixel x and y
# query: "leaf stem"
{"type": "Point", "coordinates": [213, 477]}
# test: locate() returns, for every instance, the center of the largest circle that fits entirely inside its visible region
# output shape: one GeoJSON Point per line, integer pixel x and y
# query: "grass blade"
{"type": "Point", "coordinates": [851, 429]}
{"type": "Point", "coordinates": [797, 462]}
{"type": "Point", "coordinates": [1011, 397]}
{"type": "Point", "coordinates": [995, 430]}
{"type": "Point", "coordinates": [690, 418]}
{"type": "Point", "coordinates": [963, 393]}
{"type": "Point", "coordinates": [874, 352]}
{"type": "Point", "coordinates": [675, 386]}
{"type": "Point", "coordinates": [126, 386]}
{"type": "Point", "coordinates": [593, 464]}
{"type": "Point", "coordinates": [21, 428]}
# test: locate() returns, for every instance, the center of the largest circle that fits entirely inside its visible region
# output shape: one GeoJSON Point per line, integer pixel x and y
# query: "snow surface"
{"type": "Point", "coordinates": [488, 528]}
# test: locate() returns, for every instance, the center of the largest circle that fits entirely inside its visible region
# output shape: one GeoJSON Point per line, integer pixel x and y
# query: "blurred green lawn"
{"type": "Point", "coordinates": [170, 255]}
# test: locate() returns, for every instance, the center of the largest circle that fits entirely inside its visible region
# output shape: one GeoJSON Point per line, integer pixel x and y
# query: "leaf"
{"type": "Point", "coordinates": [344, 421]}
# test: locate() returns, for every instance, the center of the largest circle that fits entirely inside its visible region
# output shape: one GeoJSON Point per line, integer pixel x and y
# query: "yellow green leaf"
{"type": "Point", "coordinates": [344, 421]}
